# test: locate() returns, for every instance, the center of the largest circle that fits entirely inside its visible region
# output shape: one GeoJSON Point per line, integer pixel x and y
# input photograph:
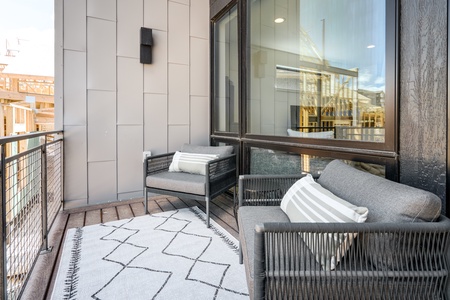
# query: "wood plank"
{"type": "Point", "coordinates": [138, 209]}
{"type": "Point", "coordinates": [109, 214]}
{"type": "Point", "coordinates": [223, 218]}
{"type": "Point", "coordinates": [224, 203]}
{"type": "Point", "coordinates": [92, 217]}
{"type": "Point", "coordinates": [153, 207]}
{"type": "Point", "coordinates": [189, 202]}
{"type": "Point", "coordinates": [76, 220]}
{"type": "Point", "coordinates": [103, 205]}
{"type": "Point", "coordinates": [40, 278]}
{"type": "Point", "coordinates": [124, 211]}
{"type": "Point", "coordinates": [165, 204]}
{"type": "Point", "coordinates": [226, 200]}
{"type": "Point", "coordinates": [218, 215]}
{"type": "Point", "coordinates": [176, 202]}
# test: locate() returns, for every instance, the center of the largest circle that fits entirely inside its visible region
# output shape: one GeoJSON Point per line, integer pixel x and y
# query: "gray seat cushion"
{"type": "Point", "coordinates": [219, 150]}
{"type": "Point", "coordinates": [248, 217]}
{"type": "Point", "coordinates": [178, 181]}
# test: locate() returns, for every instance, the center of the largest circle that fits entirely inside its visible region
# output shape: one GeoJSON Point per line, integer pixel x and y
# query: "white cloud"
{"type": "Point", "coordinates": [35, 48]}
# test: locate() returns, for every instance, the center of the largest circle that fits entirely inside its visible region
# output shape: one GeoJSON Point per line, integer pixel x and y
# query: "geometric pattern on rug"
{"type": "Point", "coordinates": [169, 255]}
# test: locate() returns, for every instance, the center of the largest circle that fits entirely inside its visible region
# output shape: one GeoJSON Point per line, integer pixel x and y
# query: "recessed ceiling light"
{"type": "Point", "coordinates": [279, 20]}
{"type": "Point", "coordinates": [370, 46]}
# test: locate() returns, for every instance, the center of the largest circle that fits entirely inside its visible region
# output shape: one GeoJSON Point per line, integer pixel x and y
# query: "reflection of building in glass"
{"type": "Point", "coordinates": [329, 97]}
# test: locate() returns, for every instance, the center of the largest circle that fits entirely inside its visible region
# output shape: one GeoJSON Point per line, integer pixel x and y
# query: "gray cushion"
{"type": "Point", "coordinates": [219, 150]}
{"type": "Point", "coordinates": [378, 194]}
{"type": "Point", "coordinates": [248, 217]}
{"type": "Point", "coordinates": [388, 202]}
{"type": "Point", "coordinates": [180, 182]}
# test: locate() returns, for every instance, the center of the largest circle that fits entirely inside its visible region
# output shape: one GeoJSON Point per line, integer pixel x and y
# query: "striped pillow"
{"type": "Point", "coordinates": [307, 201]}
{"type": "Point", "coordinates": [191, 162]}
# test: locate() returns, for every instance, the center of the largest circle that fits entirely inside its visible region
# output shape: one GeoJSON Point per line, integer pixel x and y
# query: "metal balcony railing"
{"type": "Point", "coordinates": [31, 176]}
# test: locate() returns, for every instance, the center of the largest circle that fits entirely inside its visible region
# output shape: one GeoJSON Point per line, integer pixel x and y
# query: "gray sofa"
{"type": "Point", "coordinates": [218, 175]}
{"type": "Point", "coordinates": [400, 252]}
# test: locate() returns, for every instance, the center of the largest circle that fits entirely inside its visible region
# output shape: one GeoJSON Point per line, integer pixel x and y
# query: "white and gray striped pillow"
{"type": "Point", "coordinates": [194, 163]}
{"type": "Point", "coordinates": [309, 202]}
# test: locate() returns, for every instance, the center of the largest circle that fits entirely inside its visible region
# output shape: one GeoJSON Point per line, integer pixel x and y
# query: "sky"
{"type": "Point", "coordinates": [28, 26]}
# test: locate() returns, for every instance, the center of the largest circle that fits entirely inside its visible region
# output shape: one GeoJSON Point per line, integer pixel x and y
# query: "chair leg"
{"type": "Point", "coordinates": [207, 212]}
{"type": "Point", "coordinates": [241, 255]}
{"type": "Point", "coordinates": [146, 201]}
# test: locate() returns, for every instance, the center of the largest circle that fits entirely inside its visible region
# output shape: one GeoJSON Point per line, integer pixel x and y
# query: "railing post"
{"type": "Point", "coordinates": [45, 248]}
{"type": "Point", "coordinates": [3, 258]}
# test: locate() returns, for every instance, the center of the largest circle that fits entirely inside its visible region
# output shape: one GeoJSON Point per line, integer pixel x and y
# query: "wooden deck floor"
{"type": "Point", "coordinates": [41, 281]}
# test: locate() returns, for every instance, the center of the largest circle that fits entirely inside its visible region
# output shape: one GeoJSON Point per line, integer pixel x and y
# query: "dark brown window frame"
{"type": "Point", "coordinates": [382, 153]}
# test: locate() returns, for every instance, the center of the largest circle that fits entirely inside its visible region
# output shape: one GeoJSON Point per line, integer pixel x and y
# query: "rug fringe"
{"type": "Point", "coordinates": [71, 281]}
{"type": "Point", "coordinates": [230, 243]}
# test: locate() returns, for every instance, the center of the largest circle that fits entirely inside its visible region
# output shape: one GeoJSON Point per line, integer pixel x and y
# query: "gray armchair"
{"type": "Point", "coordinates": [220, 175]}
{"type": "Point", "coordinates": [401, 252]}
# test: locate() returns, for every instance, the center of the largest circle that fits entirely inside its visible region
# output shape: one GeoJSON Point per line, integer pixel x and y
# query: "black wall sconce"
{"type": "Point", "coordinates": [146, 45]}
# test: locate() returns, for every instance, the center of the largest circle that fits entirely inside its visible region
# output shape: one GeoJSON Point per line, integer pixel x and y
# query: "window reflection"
{"type": "Point", "coordinates": [320, 72]}
{"type": "Point", "coordinates": [226, 73]}
{"type": "Point", "coordinates": [274, 162]}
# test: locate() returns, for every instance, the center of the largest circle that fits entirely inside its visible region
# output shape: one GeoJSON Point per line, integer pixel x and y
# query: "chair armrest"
{"type": "Point", "coordinates": [416, 253]}
{"type": "Point", "coordinates": [220, 166]}
{"type": "Point", "coordinates": [264, 190]}
{"type": "Point", "coordinates": [221, 174]}
{"type": "Point", "coordinates": [157, 163]}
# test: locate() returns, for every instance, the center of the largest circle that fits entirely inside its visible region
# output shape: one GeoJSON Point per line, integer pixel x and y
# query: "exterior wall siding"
{"type": "Point", "coordinates": [114, 108]}
{"type": "Point", "coordinates": [423, 95]}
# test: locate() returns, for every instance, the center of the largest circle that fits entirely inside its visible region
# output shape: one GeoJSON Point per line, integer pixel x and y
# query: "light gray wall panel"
{"type": "Point", "coordinates": [185, 2]}
{"type": "Point", "coordinates": [75, 166]}
{"type": "Point", "coordinates": [68, 204]}
{"type": "Point", "coordinates": [178, 135]}
{"type": "Point", "coordinates": [199, 68]}
{"type": "Point", "coordinates": [59, 66]}
{"type": "Point", "coordinates": [155, 74]}
{"type": "Point", "coordinates": [102, 126]}
{"type": "Point", "coordinates": [155, 123]}
{"type": "Point", "coordinates": [74, 105]}
{"type": "Point", "coordinates": [130, 195]}
{"type": "Point", "coordinates": [199, 19]}
{"type": "Point", "coordinates": [120, 105]}
{"type": "Point", "coordinates": [103, 9]}
{"type": "Point", "coordinates": [102, 182]}
{"type": "Point", "coordinates": [129, 91]}
{"type": "Point", "coordinates": [75, 25]}
{"type": "Point", "coordinates": [155, 14]}
{"type": "Point", "coordinates": [130, 21]}
{"type": "Point", "coordinates": [423, 95]}
{"type": "Point", "coordinates": [178, 94]}
{"type": "Point", "coordinates": [178, 35]}
{"type": "Point", "coordinates": [199, 131]}
{"type": "Point", "coordinates": [130, 146]}
{"type": "Point", "coordinates": [101, 54]}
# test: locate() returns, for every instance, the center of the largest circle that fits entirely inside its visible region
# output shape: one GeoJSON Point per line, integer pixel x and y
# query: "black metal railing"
{"type": "Point", "coordinates": [31, 176]}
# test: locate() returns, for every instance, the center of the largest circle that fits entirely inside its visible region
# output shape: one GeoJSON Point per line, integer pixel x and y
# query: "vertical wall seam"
{"type": "Point", "coordinates": [117, 107]}
{"type": "Point", "coordinates": [86, 108]}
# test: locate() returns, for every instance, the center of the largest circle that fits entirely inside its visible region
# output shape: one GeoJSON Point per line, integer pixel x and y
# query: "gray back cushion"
{"type": "Point", "coordinates": [387, 201]}
{"type": "Point", "coordinates": [219, 150]}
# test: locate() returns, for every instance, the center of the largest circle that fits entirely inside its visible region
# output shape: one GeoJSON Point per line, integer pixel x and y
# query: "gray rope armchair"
{"type": "Point", "coordinates": [220, 175]}
{"type": "Point", "coordinates": [383, 260]}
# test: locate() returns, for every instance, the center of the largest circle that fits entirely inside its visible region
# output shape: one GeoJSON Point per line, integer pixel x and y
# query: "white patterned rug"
{"type": "Point", "coordinates": [169, 255]}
